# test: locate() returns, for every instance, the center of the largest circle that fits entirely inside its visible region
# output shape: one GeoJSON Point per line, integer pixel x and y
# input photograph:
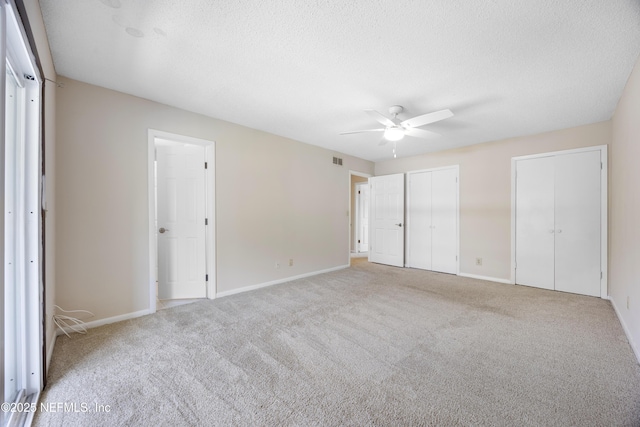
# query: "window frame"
{"type": "Point", "coordinates": [21, 206]}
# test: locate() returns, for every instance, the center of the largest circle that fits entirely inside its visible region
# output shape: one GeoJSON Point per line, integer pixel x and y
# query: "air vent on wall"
{"type": "Point", "coordinates": [337, 161]}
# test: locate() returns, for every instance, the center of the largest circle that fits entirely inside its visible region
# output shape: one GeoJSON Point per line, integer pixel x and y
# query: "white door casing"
{"type": "Point", "coordinates": [386, 220]}
{"type": "Point", "coordinates": [362, 217]}
{"type": "Point", "coordinates": [181, 210]}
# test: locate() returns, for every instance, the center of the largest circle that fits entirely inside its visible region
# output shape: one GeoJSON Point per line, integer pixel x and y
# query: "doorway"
{"type": "Point", "coordinates": [361, 222]}
{"type": "Point", "coordinates": [181, 219]}
{"type": "Point", "coordinates": [355, 179]}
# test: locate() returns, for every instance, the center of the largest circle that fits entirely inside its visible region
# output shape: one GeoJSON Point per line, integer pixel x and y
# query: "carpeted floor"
{"type": "Point", "coordinates": [369, 345]}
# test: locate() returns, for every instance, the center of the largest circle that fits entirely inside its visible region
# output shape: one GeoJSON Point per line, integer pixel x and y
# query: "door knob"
{"type": "Point", "coordinates": [399, 224]}
{"type": "Point", "coordinates": [559, 230]}
{"type": "Point", "coordinates": [162, 230]}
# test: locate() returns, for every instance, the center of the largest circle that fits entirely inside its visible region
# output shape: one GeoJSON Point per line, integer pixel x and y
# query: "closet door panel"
{"type": "Point", "coordinates": [577, 223]}
{"type": "Point", "coordinates": [444, 205]}
{"type": "Point", "coordinates": [420, 220]}
{"type": "Point", "coordinates": [535, 229]}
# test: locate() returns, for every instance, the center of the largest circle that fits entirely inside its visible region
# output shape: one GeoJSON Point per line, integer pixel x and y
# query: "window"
{"type": "Point", "coordinates": [20, 164]}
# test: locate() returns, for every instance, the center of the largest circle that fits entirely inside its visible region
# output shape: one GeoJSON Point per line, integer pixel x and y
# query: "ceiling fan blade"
{"type": "Point", "coordinates": [360, 131]}
{"type": "Point", "coordinates": [425, 119]}
{"type": "Point", "coordinates": [380, 118]}
{"type": "Point", "coordinates": [420, 133]}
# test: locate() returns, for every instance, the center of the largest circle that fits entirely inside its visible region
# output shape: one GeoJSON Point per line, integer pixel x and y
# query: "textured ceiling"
{"type": "Point", "coordinates": [307, 69]}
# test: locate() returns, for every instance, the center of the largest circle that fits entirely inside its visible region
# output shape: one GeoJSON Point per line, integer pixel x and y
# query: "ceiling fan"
{"type": "Point", "coordinates": [395, 129]}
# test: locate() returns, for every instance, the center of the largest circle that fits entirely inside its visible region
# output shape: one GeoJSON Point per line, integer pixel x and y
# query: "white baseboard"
{"type": "Point", "coordinates": [277, 282]}
{"type": "Point", "coordinates": [108, 320]}
{"type": "Point", "coordinates": [634, 346]}
{"type": "Point", "coordinates": [489, 278]}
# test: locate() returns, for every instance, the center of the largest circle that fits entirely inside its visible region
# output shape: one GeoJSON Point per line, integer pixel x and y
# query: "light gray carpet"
{"type": "Point", "coordinates": [369, 345]}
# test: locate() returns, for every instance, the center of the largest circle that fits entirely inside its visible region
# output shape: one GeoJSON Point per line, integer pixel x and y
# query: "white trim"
{"type": "Point", "coordinates": [362, 175]}
{"type": "Point", "coordinates": [604, 255]}
{"type": "Point", "coordinates": [625, 328]}
{"type": "Point", "coordinates": [210, 146]}
{"type": "Point", "coordinates": [408, 217]}
{"type": "Point", "coordinates": [107, 321]}
{"type": "Point", "coordinates": [279, 281]}
{"type": "Point", "coordinates": [604, 224]}
{"type": "Point", "coordinates": [488, 278]}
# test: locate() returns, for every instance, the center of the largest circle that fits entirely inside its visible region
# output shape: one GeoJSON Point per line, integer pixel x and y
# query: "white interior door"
{"type": "Point", "coordinates": [181, 213]}
{"type": "Point", "coordinates": [444, 213]}
{"type": "Point", "coordinates": [420, 221]}
{"type": "Point", "coordinates": [577, 221]}
{"type": "Point", "coordinates": [387, 220]}
{"type": "Point", "coordinates": [362, 217]}
{"type": "Point", "coordinates": [535, 222]}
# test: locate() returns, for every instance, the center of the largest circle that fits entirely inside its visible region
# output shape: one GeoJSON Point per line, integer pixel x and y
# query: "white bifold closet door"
{"type": "Point", "coordinates": [558, 224]}
{"type": "Point", "coordinates": [432, 226]}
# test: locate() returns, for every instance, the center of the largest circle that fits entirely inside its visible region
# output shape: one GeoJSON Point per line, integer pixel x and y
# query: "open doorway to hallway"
{"type": "Point", "coordinates": [358, 214]}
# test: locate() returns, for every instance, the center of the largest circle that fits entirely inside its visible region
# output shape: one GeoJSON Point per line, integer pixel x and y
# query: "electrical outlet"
{"type": "Point", "coordinates": [291, 262]}
{"type": "Point", "coordinates": [277, 265]}
{"type": "Point", "coordinates": [478, 261]}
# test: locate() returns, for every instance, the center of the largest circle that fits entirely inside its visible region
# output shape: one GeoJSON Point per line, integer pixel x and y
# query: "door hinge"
{"type": "Point", "coordinates": [601, 275]}
{"type": "Point", "coordinates": [206, 277]}
{"type": "Point", "coordinates": [601, 166]}
{"type": "Point", "coordinates": [205, 165]}
{"type": "Point", "coordinates": [358, 240]}
{"type": "Point", "coordinates": [206, 221]}
{"type": "Point", "coordinates": [358, 191]}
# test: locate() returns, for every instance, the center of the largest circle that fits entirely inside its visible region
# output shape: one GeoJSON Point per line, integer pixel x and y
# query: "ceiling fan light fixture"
{"type": "Point", "coordinates": [393, 134]}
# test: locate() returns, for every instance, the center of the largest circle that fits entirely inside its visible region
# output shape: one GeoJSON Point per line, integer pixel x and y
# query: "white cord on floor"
{"type": "Point", "coordinates": [65, 322]}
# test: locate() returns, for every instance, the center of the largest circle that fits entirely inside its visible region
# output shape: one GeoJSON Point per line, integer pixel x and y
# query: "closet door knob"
{"type": "Point", "coordinates": [559, 231]}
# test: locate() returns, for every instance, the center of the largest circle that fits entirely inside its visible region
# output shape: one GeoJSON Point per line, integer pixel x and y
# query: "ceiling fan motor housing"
{"type": "Point", "coordinates": [395, 110]}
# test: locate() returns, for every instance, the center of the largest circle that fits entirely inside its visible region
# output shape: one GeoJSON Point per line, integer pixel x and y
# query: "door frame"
{"type": "Point", "coordinates": [210, 189]}
{"type": "Point", "coordinates": [604, 256]}
{"type": "Point", "coordinates": [362, 175]}
{"type": "Point", "coordinates": [408, 212]}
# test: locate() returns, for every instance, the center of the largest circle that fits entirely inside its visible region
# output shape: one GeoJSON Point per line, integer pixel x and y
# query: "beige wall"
{"type": "Point", "coordinates": [276, 199]}
{"type": "Point", "coordinates": [485, 189]}
{"type": "Point", "coordinates": [624, 240]}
